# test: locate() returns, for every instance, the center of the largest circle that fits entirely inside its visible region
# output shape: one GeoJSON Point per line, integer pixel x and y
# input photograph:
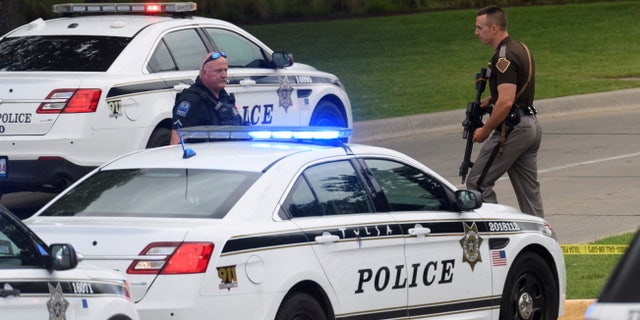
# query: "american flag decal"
{"type": "Point", "coordinates": [499, 258]}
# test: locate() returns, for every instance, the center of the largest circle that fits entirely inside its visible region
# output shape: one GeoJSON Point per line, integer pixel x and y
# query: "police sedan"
{"type": "Point", "coordinates": [101, 81]}
{"type": "Point", "coordinates": [295, 224]}
{"type": "Point", "coordinates": [38, 281]}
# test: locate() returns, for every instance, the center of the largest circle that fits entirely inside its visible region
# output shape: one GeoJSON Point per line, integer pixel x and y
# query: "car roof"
{"type": "Point", "coordinates": [250, 156]}
{"type": "Point", "coordinates": [254, 156]}
{"type": "Point", "coordinates": [124, 25]}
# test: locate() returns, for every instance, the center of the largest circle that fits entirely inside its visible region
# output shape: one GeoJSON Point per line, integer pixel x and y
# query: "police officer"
{"type": "Point", "coordinates": [206, 102]}
{"type": "Point", "coordinates": [512, 133]}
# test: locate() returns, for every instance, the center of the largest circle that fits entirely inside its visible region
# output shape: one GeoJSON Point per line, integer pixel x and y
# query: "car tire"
{"type": "Point", "coordinates": [530, 290]}
{"type": "Point", "coordinates": [159, 137]}
{"type": "Point", "coordinates": [300, 306]}
{"type": "Point", "coordinates": [327, 114]}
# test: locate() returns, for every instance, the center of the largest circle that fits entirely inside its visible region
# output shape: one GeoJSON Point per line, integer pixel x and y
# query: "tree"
{"type": "Point", "coordinates": [8, 15]}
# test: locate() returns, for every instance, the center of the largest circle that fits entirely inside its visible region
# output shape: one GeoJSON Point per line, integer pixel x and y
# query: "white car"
{"type": "Point", "coordinates": [39, 281]}
{"type": "Point", "coordinates": [101, 81]}
{"type": "Point", "coordinates": [620, 297]}
{"type": "Point", "coordinates": [254, 227]}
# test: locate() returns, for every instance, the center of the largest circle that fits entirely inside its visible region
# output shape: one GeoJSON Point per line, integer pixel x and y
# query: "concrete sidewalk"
{"type": "Point", "coordinates": [574, 309]}
{"type": "Point", "coordinates": [373, 130]}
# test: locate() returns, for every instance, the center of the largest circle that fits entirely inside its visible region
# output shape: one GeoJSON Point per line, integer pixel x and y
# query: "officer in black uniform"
{"type": "Point", "coordinates": [206, 102]}
{"type": "Point", "coordinates": [512, 133]}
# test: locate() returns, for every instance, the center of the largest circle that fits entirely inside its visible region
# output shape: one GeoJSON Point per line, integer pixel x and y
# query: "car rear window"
{"type": "Point", "coordinates": [171, 193]}
{"type": "Point", "coordinates": [60, 53]}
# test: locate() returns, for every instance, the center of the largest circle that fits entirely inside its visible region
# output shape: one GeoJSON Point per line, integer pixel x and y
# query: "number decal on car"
{"type": "Point", "coordinates": [503, 226]}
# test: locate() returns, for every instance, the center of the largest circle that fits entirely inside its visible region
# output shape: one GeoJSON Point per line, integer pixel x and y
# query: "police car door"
{"type": "Point", "coordinates": [360, 252]}
{"type": "Point", "coordinates": [263, 93]}
{"type": "Point", "coordinates": [448, 263]}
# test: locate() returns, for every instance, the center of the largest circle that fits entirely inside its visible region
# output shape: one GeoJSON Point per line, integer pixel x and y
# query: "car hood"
{"type": "Point", "coordinates": [499, 211]}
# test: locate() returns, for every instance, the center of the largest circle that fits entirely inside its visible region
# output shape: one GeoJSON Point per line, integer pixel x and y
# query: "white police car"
{"type": "Point", "coordinates": [248, 227]}
{"type": "Point", "coordinates": [39, 281]}
{"type": "Point", "coordinates": [82, 89]}
{"type": "Point", "coordinates": [620, 297]}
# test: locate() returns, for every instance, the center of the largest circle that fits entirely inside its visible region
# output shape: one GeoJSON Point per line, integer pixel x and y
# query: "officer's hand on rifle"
{"type": "Point", "coordinates": [479, 135]}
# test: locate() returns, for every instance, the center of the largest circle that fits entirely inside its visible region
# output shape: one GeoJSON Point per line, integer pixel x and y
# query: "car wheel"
{"type": "Point", "coordinates": [530, 291]}
{"type": "Point", "coordinates": [327, 114]}
{"type": "Point", "coordinates": [159, 137]}
{"type": "Point", "coordinates": [300, 306]}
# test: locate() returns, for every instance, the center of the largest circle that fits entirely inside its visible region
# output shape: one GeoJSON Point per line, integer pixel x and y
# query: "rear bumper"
{"type": "Point", "coordinates": [51, 175]}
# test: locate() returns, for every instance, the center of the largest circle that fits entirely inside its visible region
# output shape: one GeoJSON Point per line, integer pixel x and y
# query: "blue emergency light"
{"type": "Point", "coordinates": [265, 133]}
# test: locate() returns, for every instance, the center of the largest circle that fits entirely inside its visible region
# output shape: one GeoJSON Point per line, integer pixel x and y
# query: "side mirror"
{"type": "Point", "coordinates": [282, 59]}
{"type": "Point", "coordinates": [63, 256]}
{"type": "Point", "coordinates": [468, 200]}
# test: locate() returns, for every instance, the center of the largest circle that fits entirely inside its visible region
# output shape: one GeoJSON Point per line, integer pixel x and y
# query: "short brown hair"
{"type": "Point", "coordinates": [495, 15]}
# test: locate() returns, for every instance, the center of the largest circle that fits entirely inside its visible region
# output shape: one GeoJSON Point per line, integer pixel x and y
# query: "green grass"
{"type": "Point", "coordinates": [587, 274]}
{"type": "Point", "coordinates": [426, 62]}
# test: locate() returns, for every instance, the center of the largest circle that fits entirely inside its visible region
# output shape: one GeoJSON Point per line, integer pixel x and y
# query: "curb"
{"type": "Point", "coordinates": [575, 309]}
{"type": "Point", "coordinates": [380, 129]}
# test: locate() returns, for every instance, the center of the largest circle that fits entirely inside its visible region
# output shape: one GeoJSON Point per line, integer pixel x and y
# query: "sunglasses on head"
{"type": "Point", "coordinates": [215, 56]}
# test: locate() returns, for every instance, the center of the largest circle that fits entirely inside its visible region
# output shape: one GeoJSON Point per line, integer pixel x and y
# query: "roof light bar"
{"type": "Point", "coordinates": [149, 8]}
{"type": "Point", "coordinates": [273, 133]}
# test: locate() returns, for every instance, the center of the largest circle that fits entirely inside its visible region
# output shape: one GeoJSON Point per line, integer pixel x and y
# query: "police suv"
{"type": "Point", "coordinates": [38, 281]}
{"type": "Point", "coordinates": [295, 224]}
{"type": "Point", "coordinates": [101, 81]}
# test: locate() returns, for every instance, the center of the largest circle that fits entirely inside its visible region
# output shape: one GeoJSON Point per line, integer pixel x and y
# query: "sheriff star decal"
{"type": "Point", "coordinates": [57, 304]}
{"type": "Point", "coordinates": [284, 94]}
{"type": "Point", "coordinates": [471, 243]}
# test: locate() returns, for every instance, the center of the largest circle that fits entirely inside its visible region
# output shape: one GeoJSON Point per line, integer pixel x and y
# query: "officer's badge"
{"type": "Point", "coordinates": [471, 243]}
{"type": "Point", "coordinates": [503, 64]}
{"type": "Point", "coordinates": [57, 304]}
{"type": "Point", "coordinates": [284, 94]}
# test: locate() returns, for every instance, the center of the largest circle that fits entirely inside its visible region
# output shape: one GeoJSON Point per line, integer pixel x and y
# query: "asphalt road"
{"type": "Point", "coordinates": [589, 162]}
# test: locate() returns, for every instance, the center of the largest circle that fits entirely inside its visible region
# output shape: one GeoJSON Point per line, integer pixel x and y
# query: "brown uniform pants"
{"type": "Point", "coordinates": [519, 158]}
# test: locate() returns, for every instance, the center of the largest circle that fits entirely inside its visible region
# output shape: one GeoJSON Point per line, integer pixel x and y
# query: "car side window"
{"type": "Point", "coordinates": [328, 189]}
{"type": "Point", "coordinates": [17, 249]}
{"type": "Point", "coordinates": [241, 53]}
{"type": "Point", "coordinates": [407, 188]}
{"type": "Point", "coordinates": [178, 50]}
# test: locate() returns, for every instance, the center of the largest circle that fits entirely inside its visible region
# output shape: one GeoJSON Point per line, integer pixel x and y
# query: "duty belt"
{"type": "Point", "coordinates": [526, 111]}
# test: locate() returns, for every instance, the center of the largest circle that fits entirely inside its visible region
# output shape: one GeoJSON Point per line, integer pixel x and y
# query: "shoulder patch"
{"type": "Point", "coordinates": [183, 108]}
{"type": "Point", "coordinates": [503, 64]}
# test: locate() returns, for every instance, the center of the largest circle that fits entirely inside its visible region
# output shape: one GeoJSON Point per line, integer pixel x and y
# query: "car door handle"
{"type": "Point", "coordinates": [419, 230]}
{"type": "Point", "coordinates": [247, 82]}
{"type": "Point", "coordinates": [9, 292]}
{"type": "Point", "coordinates": [327, 237]}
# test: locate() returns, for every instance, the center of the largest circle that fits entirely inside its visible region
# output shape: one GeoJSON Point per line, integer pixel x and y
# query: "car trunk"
{"type": "Point", "coordinates": [113, 243]}
{"type": "Point", "coordinates": [22, 93]}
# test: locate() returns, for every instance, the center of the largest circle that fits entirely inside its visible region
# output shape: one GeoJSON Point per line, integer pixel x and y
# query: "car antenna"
{"type": "Point", "coordinates": [187, 152]}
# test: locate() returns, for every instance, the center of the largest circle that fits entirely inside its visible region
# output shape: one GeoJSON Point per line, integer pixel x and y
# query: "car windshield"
{"type": "Point", "coordinates": [60, 53]}
{"type": "Point", "coordinates": [171, 193]}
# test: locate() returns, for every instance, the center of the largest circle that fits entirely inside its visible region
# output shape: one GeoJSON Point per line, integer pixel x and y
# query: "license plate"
{"type": "Point", "coordinates": [3, 167]}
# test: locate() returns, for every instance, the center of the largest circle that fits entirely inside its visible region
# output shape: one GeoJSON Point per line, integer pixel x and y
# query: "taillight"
{"type": "Point", "coordinates": [173, 258]}
{"type": "Point", "coordinates": [71, 101]}
{"type": "Point", "coordinates": [127, 290]}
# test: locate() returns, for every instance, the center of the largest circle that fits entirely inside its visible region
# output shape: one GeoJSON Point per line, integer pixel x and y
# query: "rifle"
{"type": "Point", "coordinates": [472, 121]}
